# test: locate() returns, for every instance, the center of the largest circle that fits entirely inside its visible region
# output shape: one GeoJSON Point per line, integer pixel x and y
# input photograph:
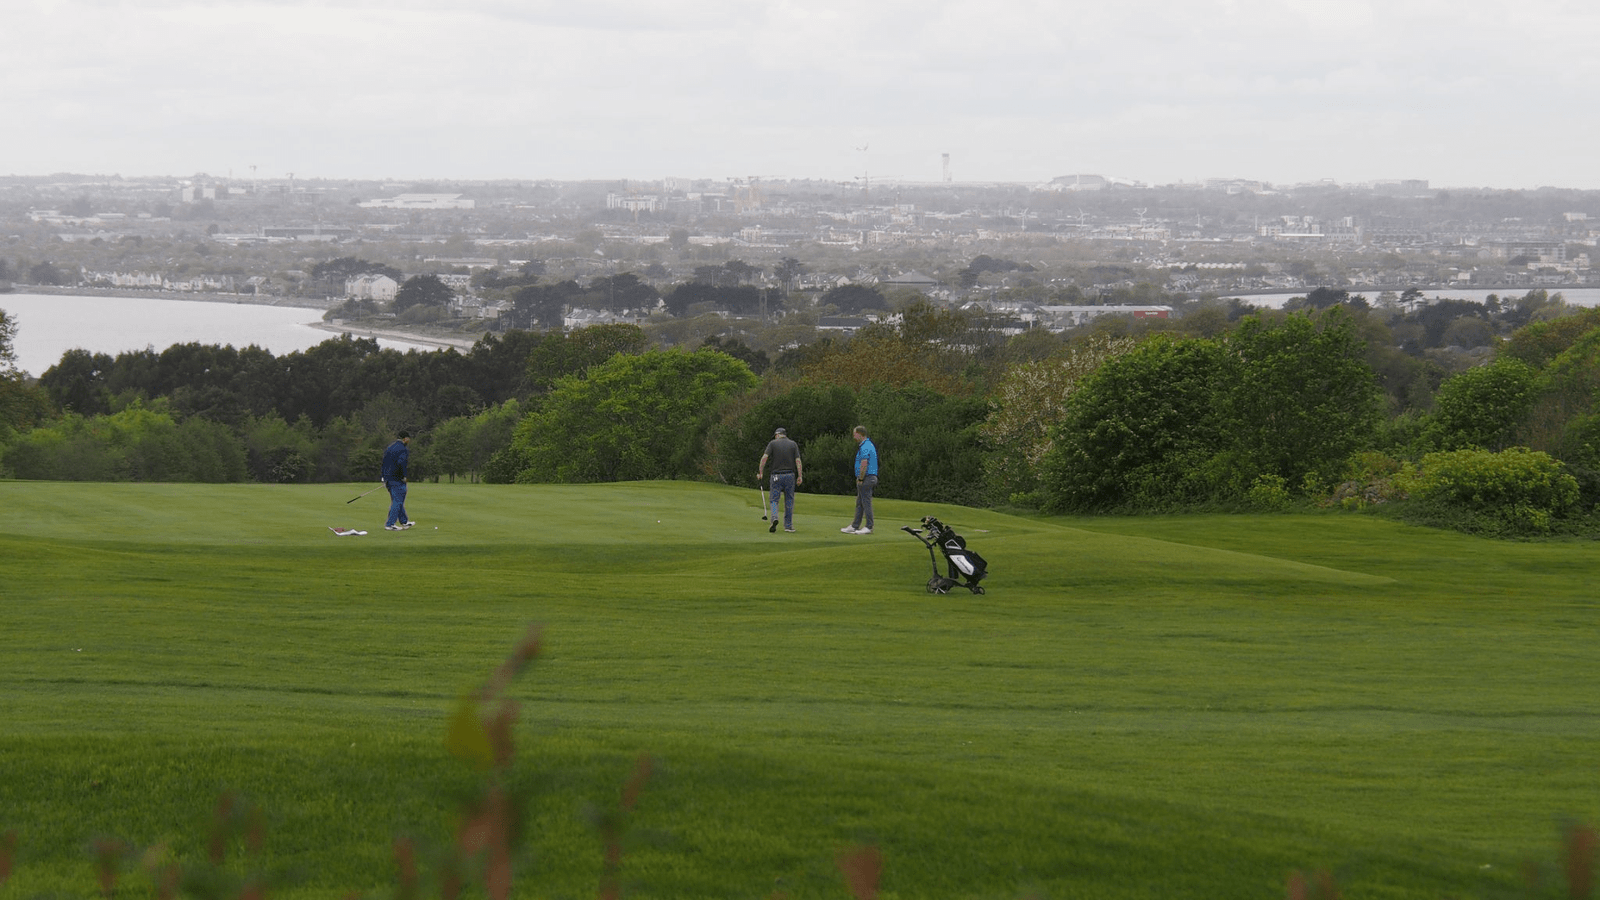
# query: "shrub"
{"type": "Point", "coordinates": [1482, 407]}
{"type": "Point", "coordinates": [1270, 493]}
{"type": "Point", "coordinates": [1369, 479]}
{"type": "Point", "coordinates": [1512, 492]}
{"type": "Point", "coordinates": [1028, 403]}
{"type": "Point", "coordinates": [631, 418]}
{"type": "Point", "coordinates": [811, 413]}
{"type": "Point", "coordinates": [1136, 431]}
{"type": "Point", "coordinates": [928, 444]}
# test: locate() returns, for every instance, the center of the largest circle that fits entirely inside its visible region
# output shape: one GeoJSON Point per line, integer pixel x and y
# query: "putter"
{"type": "Point", "coordinates": [764, 506]}
{"type": "Point", "coordinates": [354, 499]}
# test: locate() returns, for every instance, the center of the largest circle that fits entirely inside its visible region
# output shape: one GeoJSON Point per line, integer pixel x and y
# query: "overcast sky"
{"type": "Point", "coordinates": [1459, 92]}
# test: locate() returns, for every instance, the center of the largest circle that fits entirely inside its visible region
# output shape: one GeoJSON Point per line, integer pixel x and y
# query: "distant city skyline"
{"type": "Point", "coordinates": [1461, 94]}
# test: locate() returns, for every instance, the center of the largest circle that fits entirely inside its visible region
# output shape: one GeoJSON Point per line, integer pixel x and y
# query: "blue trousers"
{"type": "Point", "coordinates": [397, 504]}
{"type": "Point", "coordinates": [783, 486]}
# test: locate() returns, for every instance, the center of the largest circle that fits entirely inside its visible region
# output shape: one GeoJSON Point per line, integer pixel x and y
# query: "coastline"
{"type": "Point", "coordinates": [1510, 290]}
{"type": "Point", "coordinates": [337, 326]}
{"type": "Point", "coordinates": [194, 296]}
{"type": "Point", "coordinates": [439, 342]}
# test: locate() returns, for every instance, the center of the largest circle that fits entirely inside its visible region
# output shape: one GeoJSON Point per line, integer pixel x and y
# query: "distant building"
{"type": "Point", "coordinates": [1078, 183]}
{"type": "Point", "coordinates": [1058, 318]}
{"type": "Point", "coordinates": [911, 279]}
{"type": "Point", "coordinates": [844, 324]}
{"type": "Point", "coordinates": [420, 201]}
{"type": "Point", "coordinates": [633, 202]}
{"type": "Point", "coordinates": [1546, 252]}
{"type": "Point", "coordinates": [371, 287]}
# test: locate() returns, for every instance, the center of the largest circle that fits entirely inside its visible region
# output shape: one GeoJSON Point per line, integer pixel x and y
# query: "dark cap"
{"type": "Point", "coordinates": [404, 435]}
{"type": "Point", "coordinates": [781, 431]}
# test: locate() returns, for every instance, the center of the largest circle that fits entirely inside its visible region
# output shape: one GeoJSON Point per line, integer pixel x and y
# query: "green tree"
{"type": "Point", "coordinates": [46, 273]}
{"type": "Point", "coordinates": [1483, 406]}
{"type": "Point", "coordinates": [929, 448]}
{"type": "Point", "coordinates": [854, 298]}
{"type": "Point", "coordinates": [138, 443]}
{"type": "Point", "coordinates": [620, 292]}
{"type": "Point", "coordinates": [347, 267]}
{"type": "Point", "coordinates": [1028, 403]}
{"type": "Point", "coordinates": [928, 345]}
{"type": "Point", "coordinates": [558, 355]}
{"type": "Point", "coordinates": [8, 342]}
{"type": "Point", "coordinates": [811, 413]}
{"type": "Point", "coordinates": [449, 449]}
{"type": "Point", "coordinates": [22, 405]}
{"type": "Point", "coordinates": [632, 417]}
{"type": "Point", "coordinates": [787, 270]}
{"type": "Point", "coordinates": [422, 290]}
{"type": "Point", "coordinates": [757, 360]}
{"type": "Point", "coordinates": [280, 453]}
{"type": "Point", "coordinates": [1297, 396]}
{"type": "Point", "coordinates": [1141, 432]}
{"type": "Point", "coordinates": [542, 305]}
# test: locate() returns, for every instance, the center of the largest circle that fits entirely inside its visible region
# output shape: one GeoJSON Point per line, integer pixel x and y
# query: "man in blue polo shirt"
{"type": "Point", "coordinates": [866, 468]}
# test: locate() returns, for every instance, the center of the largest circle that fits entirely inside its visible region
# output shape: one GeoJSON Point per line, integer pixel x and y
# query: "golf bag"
{"type": "Point", "coordinates": [965, 567]}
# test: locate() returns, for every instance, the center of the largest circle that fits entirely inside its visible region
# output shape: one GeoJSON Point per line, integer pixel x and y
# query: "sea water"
{"type": "Point", "coordinates": [48, 325]}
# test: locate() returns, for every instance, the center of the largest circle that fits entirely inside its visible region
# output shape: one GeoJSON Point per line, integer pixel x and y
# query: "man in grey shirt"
{"type": "Point", "coordinates": [787, 472]}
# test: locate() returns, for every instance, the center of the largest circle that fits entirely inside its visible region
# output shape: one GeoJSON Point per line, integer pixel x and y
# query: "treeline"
{"type": "Point", "coordinates": [1334, 400]}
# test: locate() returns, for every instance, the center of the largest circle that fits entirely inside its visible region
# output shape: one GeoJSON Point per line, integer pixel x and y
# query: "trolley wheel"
{"type": "Point", "coordinates": [978, 589]}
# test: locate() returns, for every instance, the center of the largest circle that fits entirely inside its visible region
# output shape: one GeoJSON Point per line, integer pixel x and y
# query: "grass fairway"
{"type": "Point", "coordinates": [1173, 707]}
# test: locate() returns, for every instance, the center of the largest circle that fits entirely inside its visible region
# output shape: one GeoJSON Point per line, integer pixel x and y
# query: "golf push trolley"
{"type": "Point", "coordinates": [961, 562]}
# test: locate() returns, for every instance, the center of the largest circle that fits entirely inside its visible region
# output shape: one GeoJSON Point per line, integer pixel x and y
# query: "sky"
{"type": "Point", "coordinates": [1463, 93]}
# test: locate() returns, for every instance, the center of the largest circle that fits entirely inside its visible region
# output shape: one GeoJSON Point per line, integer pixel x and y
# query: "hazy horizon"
{"type": "Point", "coordinates": [1461, 94]}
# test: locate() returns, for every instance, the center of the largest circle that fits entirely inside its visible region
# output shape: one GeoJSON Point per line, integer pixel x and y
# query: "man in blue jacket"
{"type": "Point", "coordinates": [395, 459]}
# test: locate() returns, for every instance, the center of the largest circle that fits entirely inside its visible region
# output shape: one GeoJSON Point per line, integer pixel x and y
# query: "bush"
{"type": "Point", "coordinates": [136, 444]}
{"type": "Point", "coordinates": [631, 418]}
{"type": "Point", "coordinates": [1482, 407]}
{"type": "Point", "coordinates": [928, 445]}
{"type": "Point", "coordinates": [1369, 479]}
{"type": "Point", "coordinates": [1513, 492]}
{"type": "Point", "coordinates": [1136, 432]}
{"type": "Point", "coordinates": [812, 414]}
{"type": "Point", "coordinates": [1270, 493]}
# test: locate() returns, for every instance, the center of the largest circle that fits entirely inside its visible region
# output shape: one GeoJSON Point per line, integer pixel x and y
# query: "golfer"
{"type": "Point", "coordinates": [866, 479]}
{"type": "Point", "coordinates": [395, 459]}
{"type": "Point", "coordinates": [787, 471]}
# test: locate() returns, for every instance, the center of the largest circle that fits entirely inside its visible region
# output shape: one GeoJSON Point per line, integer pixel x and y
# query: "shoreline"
{"type": "Point", "coordinates": [337, 326]}
{"type": "Point", "coordinates": [438, 342]}
{"type": "Point", "coordinates": [1519, 290]}
{"type": "Point", "coordinates": [46, 290]}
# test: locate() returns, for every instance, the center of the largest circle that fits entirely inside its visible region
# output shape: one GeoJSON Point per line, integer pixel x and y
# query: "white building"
{"type": "Point", "coordinates": [421, 201]}
{"type": "Point", "coordinates": [371, 287]}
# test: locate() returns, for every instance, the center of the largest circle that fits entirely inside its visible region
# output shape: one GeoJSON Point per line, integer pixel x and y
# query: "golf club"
{"type": "Point", "coordinates": [354, 499]}
{"type": "Point", "coordinates": [763, 501]}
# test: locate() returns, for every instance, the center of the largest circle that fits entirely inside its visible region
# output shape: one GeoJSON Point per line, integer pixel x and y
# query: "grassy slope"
{"type": "Point", "coordinates": [1185, 706]}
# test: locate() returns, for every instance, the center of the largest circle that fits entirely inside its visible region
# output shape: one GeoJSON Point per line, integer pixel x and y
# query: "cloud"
{"type": "Point", "coordinates": [1014, 89]}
